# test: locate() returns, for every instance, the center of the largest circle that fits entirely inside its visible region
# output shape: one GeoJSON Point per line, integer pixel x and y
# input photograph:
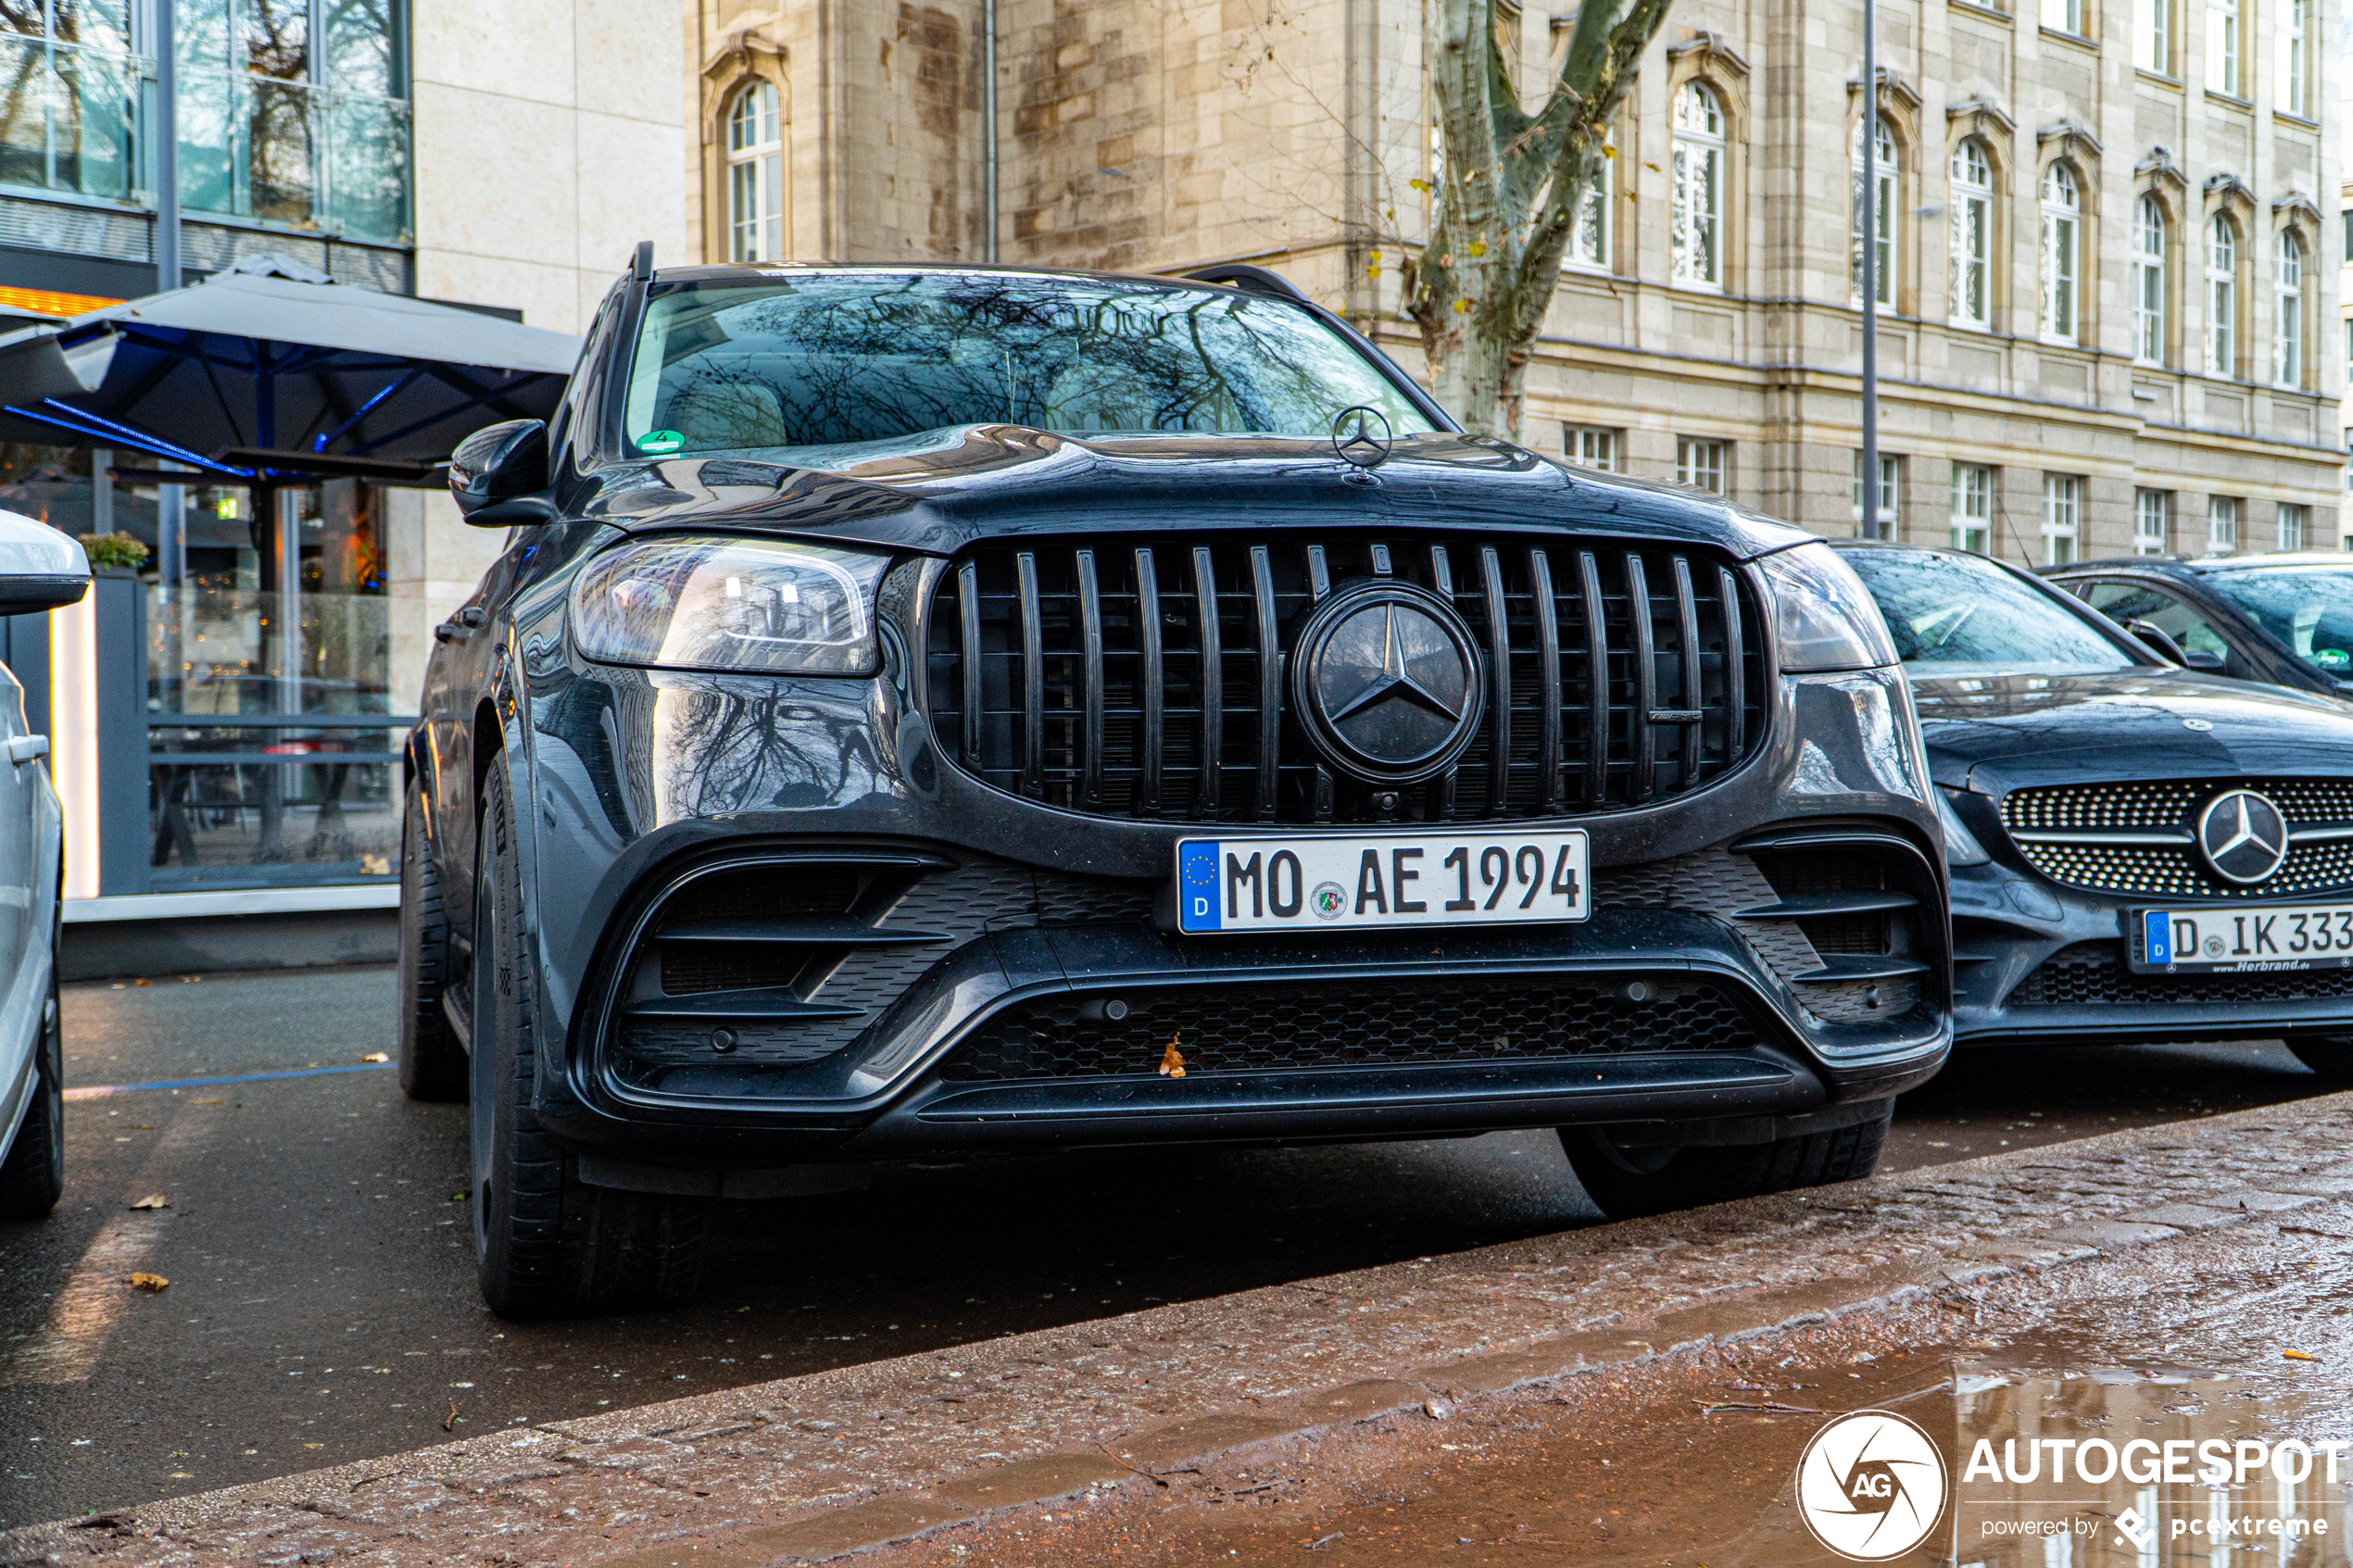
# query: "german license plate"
{"type": "Point", "coordinates": [2264, 936]}
{"type": "Point", "coordinates": [1381, 883]}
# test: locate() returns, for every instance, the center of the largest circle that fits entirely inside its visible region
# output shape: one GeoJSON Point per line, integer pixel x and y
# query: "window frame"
{"type": "Point", "coordinates": [1888, 522]}
{"type": "Point", "coordinates": [2294, 513]}
{"type": "Point", "coordinates": [2294, 86]}
{"type": "Point", "coordinates": [1972, 487]}
{"type": "Point", "coordinates": [2149, 221]}
{"type": "Point", "coordinates": [758, 164]}
{"type": "Point", "coordinates": [1704, 463]}
{"type": "Point", "coordinates": [1575, 435]}
{"type": "Point", "coordinates": [2290, 263]}
{"type": "Point", "coordinates": [2225, 46]}
{"type": "Point", "coordinates": [2221, 511]}
{"type": "Point", "coordinates": [1889, 172]}
{"type": "Point", "coordinates": [2222, 297]}
{"type": "Point", "coordinates": [2150, 506]}
{"type": "Point", "coordinates": [2059, 305]}
{"type": "Point", "coordinates": [2062, 519]}
{"type": "Point", "coordinates": [1697, 155]}
{"type": "Point", "coordinates": [1972, 219]}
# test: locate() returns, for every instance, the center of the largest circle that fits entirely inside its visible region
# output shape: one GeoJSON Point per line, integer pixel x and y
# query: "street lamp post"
{"type": "Point", "coordinates": [1870, 160]}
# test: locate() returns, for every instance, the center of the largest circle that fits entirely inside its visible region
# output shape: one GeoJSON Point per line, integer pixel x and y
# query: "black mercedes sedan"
{"type": "Point", "coordinates": [927, 713]}
{"type": "Point", "coordinates": [2284, 619]}
{"type": "Point", "coordinates": [2138, 851]}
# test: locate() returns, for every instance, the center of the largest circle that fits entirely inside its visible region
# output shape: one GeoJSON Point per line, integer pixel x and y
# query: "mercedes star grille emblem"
{"type": "Point", "coordinates": [1385, 682]}
{"type": "Point", "coordinates": [2243, 837]}
{"type": "Point", "coordinates": [1361, 435]}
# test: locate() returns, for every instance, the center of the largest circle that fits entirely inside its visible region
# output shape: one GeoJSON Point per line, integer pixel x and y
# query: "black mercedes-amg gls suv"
{"type": "Point", "coordinates": [929, 712]}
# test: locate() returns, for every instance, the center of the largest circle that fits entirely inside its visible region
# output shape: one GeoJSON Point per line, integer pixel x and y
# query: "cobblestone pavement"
{"type": "Point", "coordinates": [852, 1457]}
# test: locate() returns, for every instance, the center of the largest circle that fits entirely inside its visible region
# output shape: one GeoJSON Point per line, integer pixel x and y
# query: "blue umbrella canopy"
{"type": "Point", "coordinates": [272, 371]}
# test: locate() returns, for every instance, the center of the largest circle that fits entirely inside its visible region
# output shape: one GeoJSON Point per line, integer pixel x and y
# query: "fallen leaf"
{"type": "Point", "coordinates": [376, 1056]}
{"type": "Point", "coordinates": [1172, 1062]}
{"type": "Point", "coordinates": [208, 1102]}
{"type": "Point", "coordinates": [153, 1201]}
{"type": "Point", "coordinates": [2298, 1355]}
{"type": "Point", "coordinates": [142, 983]}
{"type": "Point", "coordinates": [148, 1283]}
{"type": "Point", "coordinates": [451, 1425]}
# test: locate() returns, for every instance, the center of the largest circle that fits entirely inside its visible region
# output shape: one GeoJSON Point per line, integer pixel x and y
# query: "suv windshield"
{"type": "Point", "coordinates": [2311, 611]}
{"type": "Point", "coordinates": [838, 359]}
{"type": "Point", "coordinates": [1957, 615]}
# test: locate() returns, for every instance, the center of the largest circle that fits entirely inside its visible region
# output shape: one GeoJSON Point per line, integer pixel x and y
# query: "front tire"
{"type": "Point", "coordinates": [1628, 1181]}
{"type": "Point", "coordinates": [545, 1244]}
{"type": "Point", "coordinates": [433, 1063]}
{"type": "Point", "coordinates": [33, 1177]}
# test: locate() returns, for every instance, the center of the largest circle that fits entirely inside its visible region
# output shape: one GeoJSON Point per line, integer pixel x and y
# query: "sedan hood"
{"type": "Point", "coordinates": [941, 490]}
{"type": "Point", "coordinates": [1992, 733]}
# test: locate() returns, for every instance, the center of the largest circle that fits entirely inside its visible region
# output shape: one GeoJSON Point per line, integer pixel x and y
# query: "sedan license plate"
{"type": "Point", "coordinates": [2266, 937]}
{"type": "Point", "coordinates": [1381, 883]}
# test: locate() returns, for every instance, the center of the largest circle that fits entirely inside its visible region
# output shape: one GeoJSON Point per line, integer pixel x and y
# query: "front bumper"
{"type": "Point", "coordinates": [2037, 962]}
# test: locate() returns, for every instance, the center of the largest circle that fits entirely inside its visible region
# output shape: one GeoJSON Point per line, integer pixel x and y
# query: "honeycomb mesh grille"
{"type": "Point", "coordinates": [2092, 972]}
{"type": "Point", "coordinates": [2173, 805]}
{"type": "Point", "coordinates": [1277, 1028]}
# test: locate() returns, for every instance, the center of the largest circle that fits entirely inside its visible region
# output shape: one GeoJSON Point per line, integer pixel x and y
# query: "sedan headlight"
{"type": "Point", "coordinates": [1827, 619]}
{"type": "Point", "coordinates": [761, 606]}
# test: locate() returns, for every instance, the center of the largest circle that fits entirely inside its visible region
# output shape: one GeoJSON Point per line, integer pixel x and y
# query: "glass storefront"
{"type": "Point", "coordinates": [272, 735]}
{"type": "Point", "coordinates": [292, 112]}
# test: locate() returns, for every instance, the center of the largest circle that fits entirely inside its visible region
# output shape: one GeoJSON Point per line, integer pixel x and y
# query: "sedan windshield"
{"type": "Point", "coordinates": [1958, 615]}
{"type": "Point", "coordinates": [839, 359]}
{"type": "Point", "coordinates": [2311, 611]}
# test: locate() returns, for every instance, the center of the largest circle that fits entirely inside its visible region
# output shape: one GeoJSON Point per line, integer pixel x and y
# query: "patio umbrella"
{"type": "Point", "coordinates": [271, 371]}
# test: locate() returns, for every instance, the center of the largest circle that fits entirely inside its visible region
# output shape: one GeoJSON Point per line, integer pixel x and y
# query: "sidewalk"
{"type": "Point", "coordinates": [811, 1467]}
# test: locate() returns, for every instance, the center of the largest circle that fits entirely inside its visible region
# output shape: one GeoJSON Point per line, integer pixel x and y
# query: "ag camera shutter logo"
{"type": "Point", "coordinates": [1871, 1486]}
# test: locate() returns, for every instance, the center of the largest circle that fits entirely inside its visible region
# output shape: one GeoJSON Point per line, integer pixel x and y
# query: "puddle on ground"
{"type": "Point", "coordinates": [2166, 1428]}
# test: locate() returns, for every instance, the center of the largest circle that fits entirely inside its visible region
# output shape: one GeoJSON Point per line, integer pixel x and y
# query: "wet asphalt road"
{"type": "Point", "coordinates": [321, 1306]}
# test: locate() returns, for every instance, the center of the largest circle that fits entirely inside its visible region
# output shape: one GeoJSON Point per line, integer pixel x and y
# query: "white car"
{"type": "Point", "coordinates": [40, 569]}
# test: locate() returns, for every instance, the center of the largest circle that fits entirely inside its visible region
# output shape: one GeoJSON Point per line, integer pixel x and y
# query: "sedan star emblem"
{"type": "Point", "coordinates": [1362, 436]}
{"type": "Point", "coordinates": [2243, 835]}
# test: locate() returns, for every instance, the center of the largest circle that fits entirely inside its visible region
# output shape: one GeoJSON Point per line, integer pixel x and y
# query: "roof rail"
{"type": "Point", "coordinates": [1252, 280]}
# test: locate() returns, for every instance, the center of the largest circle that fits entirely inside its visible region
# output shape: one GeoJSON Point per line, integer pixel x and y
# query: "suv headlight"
{"type": "Point", "coordinates": [767, 606]}
{"type": "Point", "coordinates": [1826, 618]}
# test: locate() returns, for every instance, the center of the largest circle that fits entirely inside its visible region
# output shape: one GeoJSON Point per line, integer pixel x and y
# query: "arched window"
{"type": "Point", "coordinates": [1696, 221]}
{"type": "Point", "coordinates": [2288, 311]}
{"type": "Point", "coordinates": [1884, 176]}
{"type": "Point", "coordinates": [1973, 174]}
{"type": "Point", "coordinates": [2148, 280]}
{"type": "Point", "coordinates": [2062, 254]}
{"type": "Point", "coordinates": [755, 176]}
{"type": "Point", "coordinates": [2222, 297]}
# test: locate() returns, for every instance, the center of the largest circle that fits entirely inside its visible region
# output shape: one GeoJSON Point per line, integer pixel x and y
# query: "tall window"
{"type": "Point", "coordinates": [1591, 448]}
{"type": "Point", "coordinates": [2295, 523]}
{"type": "Point", "coordinates": [2222, 297]}
{"type": "Point", "coordinates": [2065, 16]}
{"type": "Point", "coordinates": [1883, 191]}
{"type": "Point", "coordinates": [1973, 234]}
{"type": "Point", "coordinates": [2288, 310]}
{"type": "Point", "coordinates": [1697, 218]}
{"type": "Point", "coordinates": [2152, 36]}
{"type": "Point", "coordinates": [2152, 521]}
{"type": "Point", "coordinates": [1972, 507]}
{"type": "Point", "coordinates": [2222, 45]}
{"type": "Point", "coordinates": [2222, 525]}
{"type": "Point", "coordinates": [2148, 280]}
{"type": "Point", "coordinates": [1879, 522]}
{"type": "Point", "coordinates": [755, 176]}
{"type": "Point", "coordinates": [2294, 24]}
{"type": "Point", "coordinates": [1700, 464]}
{"type": "Point", "coordinates": [2062, 517]}
{"type": "Point", "coordinates": [2062, 253]}
{"type": "Point", "coordinates": [1589, 241]}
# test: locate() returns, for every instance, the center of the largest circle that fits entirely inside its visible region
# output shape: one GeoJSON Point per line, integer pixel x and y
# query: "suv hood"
{"type": "Point", "coordinates": [1992, 734]}
{"type": "Point", "coordinates": [939, 491]}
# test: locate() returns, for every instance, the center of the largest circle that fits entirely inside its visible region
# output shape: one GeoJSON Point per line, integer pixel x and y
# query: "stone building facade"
{"type": "Point", "coordinates": [2112, 294]}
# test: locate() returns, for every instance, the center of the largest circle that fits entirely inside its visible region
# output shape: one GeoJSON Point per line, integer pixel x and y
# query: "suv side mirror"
{"type": "Point", "coordinates": [2200, 659]}
{"type": "Point", "coordinates": [40, 568]}
{"type": "Point", "coordinates": [499, 472]}
{"type": "Point", "coordinates": [2159, 639]}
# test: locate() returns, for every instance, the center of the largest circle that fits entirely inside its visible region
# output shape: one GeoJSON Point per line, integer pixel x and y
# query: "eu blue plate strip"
{"type": "Point", "coordinates": [95, 1090]}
